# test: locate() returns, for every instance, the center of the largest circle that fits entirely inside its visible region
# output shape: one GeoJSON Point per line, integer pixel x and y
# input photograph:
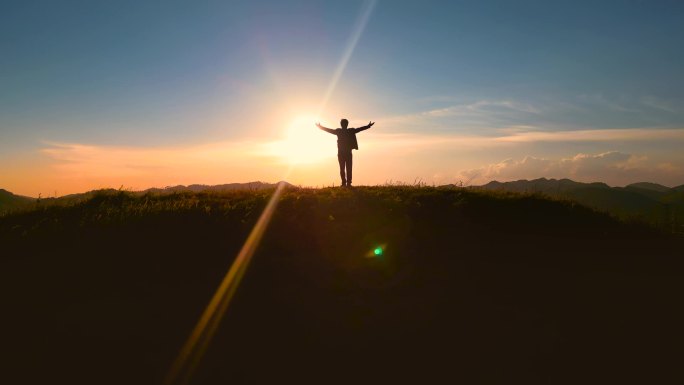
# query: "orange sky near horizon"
{"type": "Point", "coordinates": [304, 155]}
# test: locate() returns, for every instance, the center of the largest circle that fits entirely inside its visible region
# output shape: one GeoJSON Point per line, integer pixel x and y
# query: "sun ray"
{"type": "Point", "coordinates": [194, 348]}
{"type": "Point", "coordinates": [360, 26]}
{"type": "Point", "coordinates": [199, 339]}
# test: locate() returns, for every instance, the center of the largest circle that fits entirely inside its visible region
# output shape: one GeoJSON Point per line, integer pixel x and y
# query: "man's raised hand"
{"type": "Point", "coordinates": [370, 124]}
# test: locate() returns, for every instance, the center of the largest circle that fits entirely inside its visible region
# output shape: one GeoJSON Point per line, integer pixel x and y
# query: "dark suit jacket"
{"type": "Point", "coordinates": [346, 138]}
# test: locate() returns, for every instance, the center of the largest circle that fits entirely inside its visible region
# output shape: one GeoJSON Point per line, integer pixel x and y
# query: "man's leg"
{"type": "Point", "coordinates": [341, 161]}
{"type": "Point", "coordinates": [349, 169]}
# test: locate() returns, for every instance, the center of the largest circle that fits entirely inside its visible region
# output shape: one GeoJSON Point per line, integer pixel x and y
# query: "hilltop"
{"type": "Point", "coordinates": [471, 286]}
{"type": "Point", "coordinates": [646, 202]}
{"type": "Point", "coordinates": [9, 201]}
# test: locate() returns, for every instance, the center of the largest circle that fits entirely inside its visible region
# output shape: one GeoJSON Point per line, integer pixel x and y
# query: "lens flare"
{"type": "Point", "coordinates": [194, 348]}
{"type": "Point", "coordinates": [376, 251]}
{"type": "Point", "coordinates": [196, 345]}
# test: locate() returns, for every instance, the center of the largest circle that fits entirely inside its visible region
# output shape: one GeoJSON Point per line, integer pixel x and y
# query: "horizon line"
{"type": "Point", "coordinates": [391, 183]}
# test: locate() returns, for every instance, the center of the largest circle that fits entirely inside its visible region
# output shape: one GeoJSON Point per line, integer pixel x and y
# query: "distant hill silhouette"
{"type": "Point", "coordinates": [221, 187]}
{"type": "Point", "coordinates": [649, 186]}
{"type": "Point", "coordinates": [656, 204]}
{"type": "Point", "coordinates": [9, 201]}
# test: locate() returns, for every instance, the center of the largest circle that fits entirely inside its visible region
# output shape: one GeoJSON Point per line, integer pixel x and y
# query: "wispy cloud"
{"type": "Point", "coordinates": [602, 102]}
{"type": "Point", "coordinates": [582, 112]}
{"type": "Point", "coordinates": [612, 167]}
{"type": "Point", "coordinates": [605, 135]}
{"type": "Point", "coordinates": [674, 107]}
{"type": "Point", "coordinates": [474, 117]}
{"type": "Point", "coordinates": [510, 121]}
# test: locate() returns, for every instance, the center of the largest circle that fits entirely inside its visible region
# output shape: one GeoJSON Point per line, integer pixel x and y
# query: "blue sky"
{"type": "Point", "coordinates": [461, 91]}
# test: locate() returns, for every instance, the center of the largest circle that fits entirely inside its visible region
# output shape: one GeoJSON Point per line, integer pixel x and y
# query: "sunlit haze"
{"type": "Point", "coordinates": [139, 95]}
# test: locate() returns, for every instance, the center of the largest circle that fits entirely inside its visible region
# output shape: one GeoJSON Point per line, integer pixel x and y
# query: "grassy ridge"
{"type": "Point", "coordinates": [106, 207]}
{"type": "Point", "coordinates": [472, 286]}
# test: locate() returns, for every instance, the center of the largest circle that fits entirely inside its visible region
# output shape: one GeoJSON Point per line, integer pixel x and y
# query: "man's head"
{"type": "Point", "coordinates": [344, 123]}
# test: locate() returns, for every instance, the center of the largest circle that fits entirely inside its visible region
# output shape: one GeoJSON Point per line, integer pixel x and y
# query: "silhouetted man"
{"type": "Point", "coordinates": [346, 141]}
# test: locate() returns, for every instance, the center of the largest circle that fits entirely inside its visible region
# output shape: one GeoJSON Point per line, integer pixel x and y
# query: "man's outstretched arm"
{"type": "Point", "coordinates": [367, 126]}
{"type": "Point", "coordinates": [325, 129]}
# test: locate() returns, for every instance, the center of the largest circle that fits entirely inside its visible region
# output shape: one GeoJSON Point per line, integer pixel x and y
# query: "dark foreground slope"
{"type": "Point", "coordinates": [472, 287]}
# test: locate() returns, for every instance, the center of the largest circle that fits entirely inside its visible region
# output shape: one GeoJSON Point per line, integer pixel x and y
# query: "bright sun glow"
{"type": "Point", "coordinates": [303, 142]}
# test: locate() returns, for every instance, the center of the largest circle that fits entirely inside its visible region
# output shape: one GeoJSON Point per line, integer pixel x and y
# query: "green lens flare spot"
{"type": "Point", "coordinates": [377, 251]}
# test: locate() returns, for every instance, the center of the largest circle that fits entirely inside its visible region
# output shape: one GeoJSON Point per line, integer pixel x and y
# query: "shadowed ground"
{"type": "Point", "coordinates": [472, 287]}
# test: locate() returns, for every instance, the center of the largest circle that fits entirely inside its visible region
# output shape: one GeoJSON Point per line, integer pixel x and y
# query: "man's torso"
{"type": "Point", "coordinates": [346, 140]}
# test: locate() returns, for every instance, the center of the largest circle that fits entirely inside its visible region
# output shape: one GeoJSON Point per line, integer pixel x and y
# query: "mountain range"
{"type": "Point", "coordinates": [657, 204]}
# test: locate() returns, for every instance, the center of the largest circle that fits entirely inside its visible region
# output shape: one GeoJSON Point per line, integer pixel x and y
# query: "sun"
{"type": "Point", "coordinates": [303, 142]}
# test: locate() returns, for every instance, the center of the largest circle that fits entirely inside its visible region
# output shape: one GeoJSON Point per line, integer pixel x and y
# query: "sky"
{"type": "Point", "coordinates": [132, 95]}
